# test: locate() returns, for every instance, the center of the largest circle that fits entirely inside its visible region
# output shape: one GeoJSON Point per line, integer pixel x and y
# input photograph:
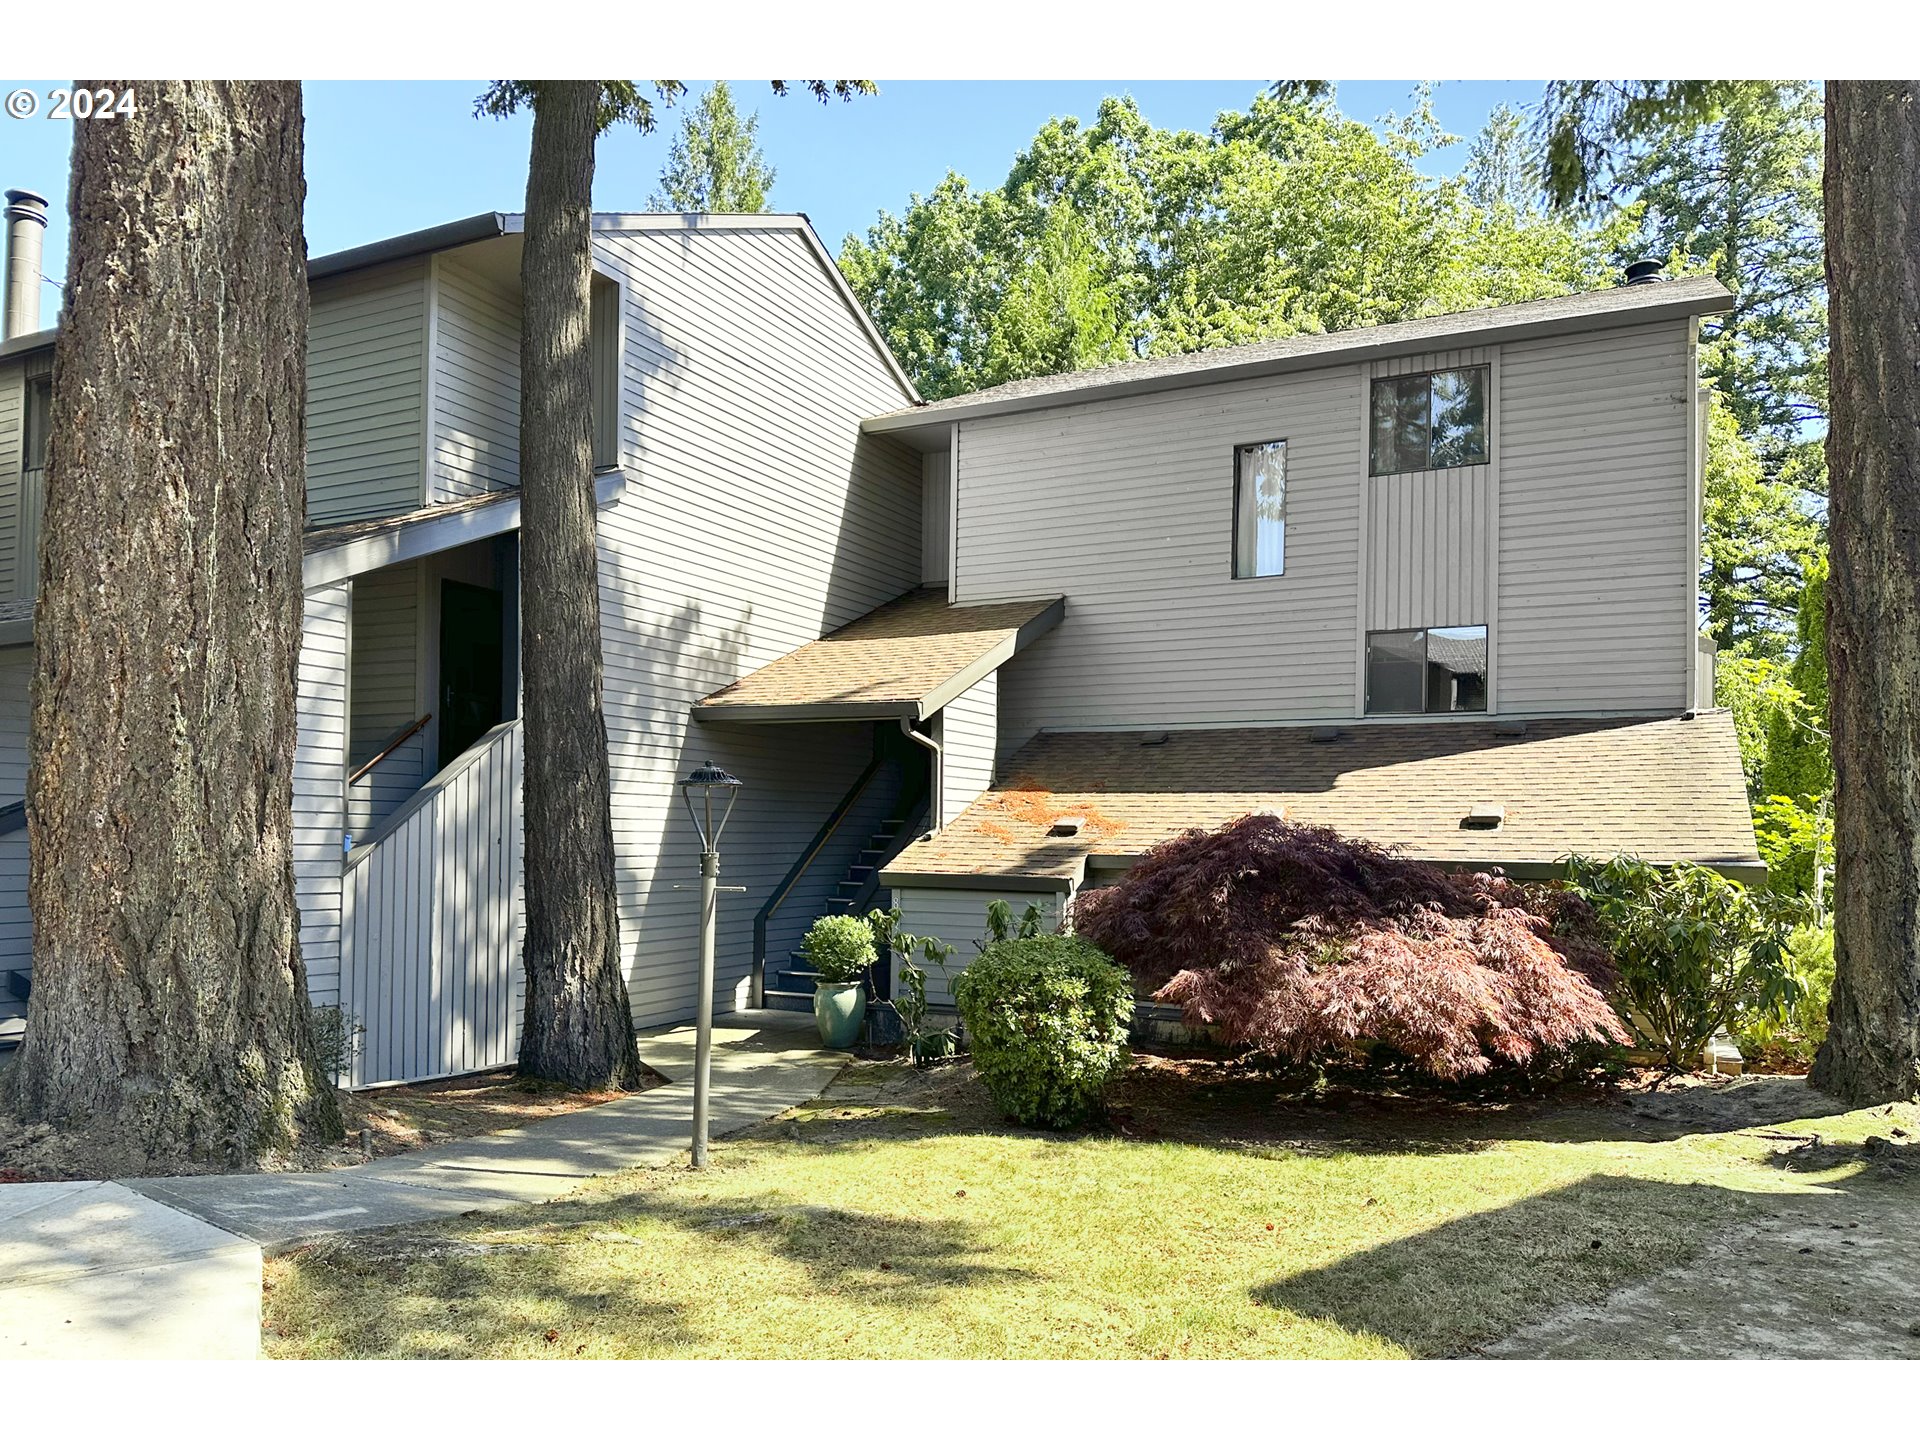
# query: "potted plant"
{"type": "Point", "coordinates": [840, 949]}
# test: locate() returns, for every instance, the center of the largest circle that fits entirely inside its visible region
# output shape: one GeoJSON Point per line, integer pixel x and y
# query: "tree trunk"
{"type": "Point", "coordinates": [579, 1025]}
{"type": "Point", "coordinates": [1872, 1052]}
{"type": "Point", "coordinates": [169, 1013]}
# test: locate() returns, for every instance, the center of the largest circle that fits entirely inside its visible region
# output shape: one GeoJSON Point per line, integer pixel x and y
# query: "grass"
{"type": "Point", "coordinates": [1215, 1216]}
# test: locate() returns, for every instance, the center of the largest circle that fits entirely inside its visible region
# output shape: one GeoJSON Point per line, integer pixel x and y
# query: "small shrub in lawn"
{"type": "Point", "coordinates": [1046, 1019]}
{"type": "Point", "coordinates": [1693, 949]}
{"type": "Point", "coordinates": [839, 947]}
{"type": "Point", "coordinates": [1303, 944]}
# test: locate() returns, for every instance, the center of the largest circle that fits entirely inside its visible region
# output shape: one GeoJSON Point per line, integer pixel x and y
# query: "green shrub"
{"type": "Point", "coordinates": [1046, 1019]}
{"type": "Point", "coordinates": [1694, 949]}
{"type": "Point", "coordinates": [1793, 1032]}
{"type": "Point", "coordinates": [839, 947]}
{"type": "Point", "coordinates": [336, 1039]}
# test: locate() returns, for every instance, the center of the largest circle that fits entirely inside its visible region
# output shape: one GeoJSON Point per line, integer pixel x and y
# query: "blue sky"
{"type": "Point", "coordinates": [385, 157]}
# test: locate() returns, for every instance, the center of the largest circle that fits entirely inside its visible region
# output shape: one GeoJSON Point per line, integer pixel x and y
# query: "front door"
{"type": "Point", "coordinates": [472, 669]}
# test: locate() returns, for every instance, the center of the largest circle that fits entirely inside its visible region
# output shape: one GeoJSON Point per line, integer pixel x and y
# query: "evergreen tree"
{"type": "Point", "coordinates": [715, 164]}
{"type": "Point", "coordinates": [1799, 763]}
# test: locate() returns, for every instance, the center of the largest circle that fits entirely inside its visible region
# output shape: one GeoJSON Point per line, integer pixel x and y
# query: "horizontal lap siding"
{"type": "Point", "coordinates": [385, 694]}
{"type": "Point", "coordinates": [959, 917]}
{"type": "Point", "coordinates": [476, 385]}
{"type": "Point", "coordinates": [16, 923]}
{"type": "Point", "coordinates": [969, 736]}
{"type": "Point", "coordinates": [13, 411]}
{"type": "Point", "coordinates": [319, 809]}
{"type": "Point", "coordinates": [758, 519]}
{"type": "Point", "coordinates": [1596, 595]}
{"type": "Point", "coordinates": [366, 395]}
{"type": "Point", "coordinates": [1126, 507]}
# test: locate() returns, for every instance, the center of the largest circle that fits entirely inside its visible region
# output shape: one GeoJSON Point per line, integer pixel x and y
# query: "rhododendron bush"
{"type": "Point", "coordinates": [1300, 943]}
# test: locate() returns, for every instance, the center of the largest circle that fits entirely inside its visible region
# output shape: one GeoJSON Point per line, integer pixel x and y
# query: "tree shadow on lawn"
{"type": "Point", "coordinates": [1226, 1103]}
{"type": "Point", "coordinates": [1477, 1278]}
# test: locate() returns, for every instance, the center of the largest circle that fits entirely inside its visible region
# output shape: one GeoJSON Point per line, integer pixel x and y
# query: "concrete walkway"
{"type": "Point", "coordinates": [120, 1267]}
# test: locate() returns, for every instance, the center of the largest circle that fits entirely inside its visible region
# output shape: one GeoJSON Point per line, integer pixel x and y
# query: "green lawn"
{"type": "Point", "coordinates": [1214, 1216]}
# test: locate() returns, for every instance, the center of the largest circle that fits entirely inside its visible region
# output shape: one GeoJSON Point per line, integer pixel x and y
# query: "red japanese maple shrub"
{"type": "Point", "coordinates": [1297, 942]}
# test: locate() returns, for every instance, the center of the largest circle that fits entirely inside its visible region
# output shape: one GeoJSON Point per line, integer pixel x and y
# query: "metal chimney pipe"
{"type": "Point", "coordinates": [1646, 272]}
{"type": "Point", "coordinates": [26, 234]}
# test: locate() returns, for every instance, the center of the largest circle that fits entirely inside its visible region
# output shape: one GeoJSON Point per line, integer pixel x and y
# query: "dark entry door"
{"type": "Point", "coordinates": [472, 667]}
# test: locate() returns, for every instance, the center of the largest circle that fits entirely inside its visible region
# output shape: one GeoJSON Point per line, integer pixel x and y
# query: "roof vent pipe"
{"type": "Point", "coordinates": [1646, 272]}
{"type": "Point", "coordinates": [26, 233]}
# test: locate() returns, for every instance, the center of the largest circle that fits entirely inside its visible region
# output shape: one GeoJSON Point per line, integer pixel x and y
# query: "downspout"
{"type": "Point", "coordinates": [938, 809]}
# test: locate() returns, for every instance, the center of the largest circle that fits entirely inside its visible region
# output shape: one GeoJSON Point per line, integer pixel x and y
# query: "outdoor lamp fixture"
{"type": "Point", "coordinates": [708, 788]}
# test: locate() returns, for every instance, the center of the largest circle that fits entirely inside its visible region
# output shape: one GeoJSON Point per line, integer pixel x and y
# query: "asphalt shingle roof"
{"type": "Point", "coordinates": [1618, 304]}
{"type": "Point", "coordinates": [1664, 789]}
{"type": "Point", "coordinates": [900, 659]}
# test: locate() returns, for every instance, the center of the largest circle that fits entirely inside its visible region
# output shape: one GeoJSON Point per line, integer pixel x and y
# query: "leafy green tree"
{"type": "Point", "coordinates": [1799, 762]}
{"type": "Point", "coordinates": [1759, 538]}
{"type": "Point", "coordinates": [1286, 218]}
{"type": "Point", "coordinates": [715, 164]}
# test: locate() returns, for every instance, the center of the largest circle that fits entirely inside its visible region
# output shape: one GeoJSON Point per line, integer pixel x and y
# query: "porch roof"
{"type": "Point", "coordinates": [1664, 789]}
{"type": "Point", "coordinates": [907, 659]}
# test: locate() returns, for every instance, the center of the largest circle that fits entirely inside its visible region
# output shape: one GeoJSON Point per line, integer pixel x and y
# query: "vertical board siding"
{"type": "Point", "coordinates": [319, 786]}
{"type": "Point", "coordinates": [433, 926]}
{"type": "Point", "coordinates": [13, 428]}
{"type": "Point", "coordinates": [969, 736]}
{"type": "Point", "coordinates": [1430, 532]}
{"type": "Point", "coordinates": [959, 917]}
{"type": "Point", "coordinates": [385, 694]}
{"type": "Point", "coordinates": [366, 394]}
{"type": "Point", "coordinates": [476, 385]}
{"type": "Point", "coordinates": [1596, 603]}
{"type": "Point", "coordinates": [758, 519]}
{"type": "Point", "coordinates": [936, 500]}
{"type": "Point", "coordinates": [16, 922]}
{"type": "Point", "coordinates": [1126, 507]}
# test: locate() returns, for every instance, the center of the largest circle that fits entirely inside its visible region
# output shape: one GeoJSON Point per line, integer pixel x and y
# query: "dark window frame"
{"type": "Point", "coordinates": [1392, 467]}
{"type": "Point", "coordinates": [37, 431]}
{"type": "Point", "coordinates": [1425, 632]}
{"type": "Point", "coordinates": [1256, 573]}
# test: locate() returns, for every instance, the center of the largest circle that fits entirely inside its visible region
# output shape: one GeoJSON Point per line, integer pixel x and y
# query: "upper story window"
{"type": "Point", "coordinates": [1438, 671]}
{"type": "Point", "coordinates": [1260, 509]}
{"type": "Point", "coordinates": [39, 408]}
{"type": "Point", "coordinates": [1429, 422]}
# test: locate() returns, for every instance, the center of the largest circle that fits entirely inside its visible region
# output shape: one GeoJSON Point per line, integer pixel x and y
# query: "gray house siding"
{"type": "Point", "coordinates": [319, 808]}
{"type": "Point", "coordinates": [366, 394]}
{"type": "Point", "coordinates": [16, 923]}
{"type": "Point", "coordinates": [959, 917]}
{"type": "Point", "coordinates": [936, 502]}
{"type": "Point", "coordinates": [1572, 545]}
{"type": "Point", "coordinates": [385, 693]}
{"type": "Point", "coordinates": [475, 384]}
{"type": "Point", "coordinates": [13, 411]}
{"type": "Point", "coordinates": [968, 732]}
{"type": "Point", "coordinates": [759, 519]}
{"type": "Point", "coordinates": [1126, 507]}
{"type": "Point", "coordinates": [1596, 569]}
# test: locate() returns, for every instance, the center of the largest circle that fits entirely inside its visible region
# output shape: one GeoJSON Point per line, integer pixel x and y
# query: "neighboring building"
{"type": "Point", "coordinates": [1431, 582]}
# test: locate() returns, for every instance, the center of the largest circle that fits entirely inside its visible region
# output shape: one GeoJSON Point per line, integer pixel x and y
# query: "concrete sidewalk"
{"type": "Point", "coordinates": [99, 1269]}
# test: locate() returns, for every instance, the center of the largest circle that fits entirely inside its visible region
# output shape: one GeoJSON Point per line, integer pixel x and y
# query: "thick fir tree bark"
{"type": "Point", "coordinates": [579, 1024]}
{"type": "Point", "coordinates": [169, 1013]}
{"type": "Point", "coordinates": [1872, 1052]}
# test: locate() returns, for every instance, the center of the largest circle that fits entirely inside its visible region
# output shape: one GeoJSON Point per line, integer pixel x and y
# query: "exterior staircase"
{"type": "Point", "coordinates": [791, 987]}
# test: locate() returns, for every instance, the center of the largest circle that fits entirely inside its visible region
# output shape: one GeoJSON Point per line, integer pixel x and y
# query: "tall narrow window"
{"type": "Point", "coordinates": [604, 334]}
{"type": "Point", "coordinates": [1434, 421]}
{"type": "Point", "coordinates": [1260, 510]}
{"type": "Point", "coordinates": [1440, 671]}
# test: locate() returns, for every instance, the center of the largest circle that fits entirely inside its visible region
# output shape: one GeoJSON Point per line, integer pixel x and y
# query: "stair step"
{"type": "Point", "coordinates": [788, 1000]}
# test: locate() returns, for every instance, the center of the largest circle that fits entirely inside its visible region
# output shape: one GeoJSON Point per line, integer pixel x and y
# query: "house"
{"type": "Point", "coordinates": [1433, 582]}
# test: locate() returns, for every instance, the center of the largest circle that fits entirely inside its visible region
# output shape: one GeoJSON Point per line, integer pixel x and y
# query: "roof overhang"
{"type": "Point", "coordinates": [937, 696]}
{"type": "Point", "coordinates": [340, 552]}
{"type": "Point", "coordinates": [928, 424]}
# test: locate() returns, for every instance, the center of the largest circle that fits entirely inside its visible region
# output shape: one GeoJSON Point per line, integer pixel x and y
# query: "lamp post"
{"type": "Point", "coordinates": [703, 789]}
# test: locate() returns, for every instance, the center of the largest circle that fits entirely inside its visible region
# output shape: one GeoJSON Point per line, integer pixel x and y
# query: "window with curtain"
{"type": "Point", "coordinates": [1438, 671]}
{"type": "Point", "coordinates": [1260, 509]}
{"type": "Point", "coordinates": [1435, 421]}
